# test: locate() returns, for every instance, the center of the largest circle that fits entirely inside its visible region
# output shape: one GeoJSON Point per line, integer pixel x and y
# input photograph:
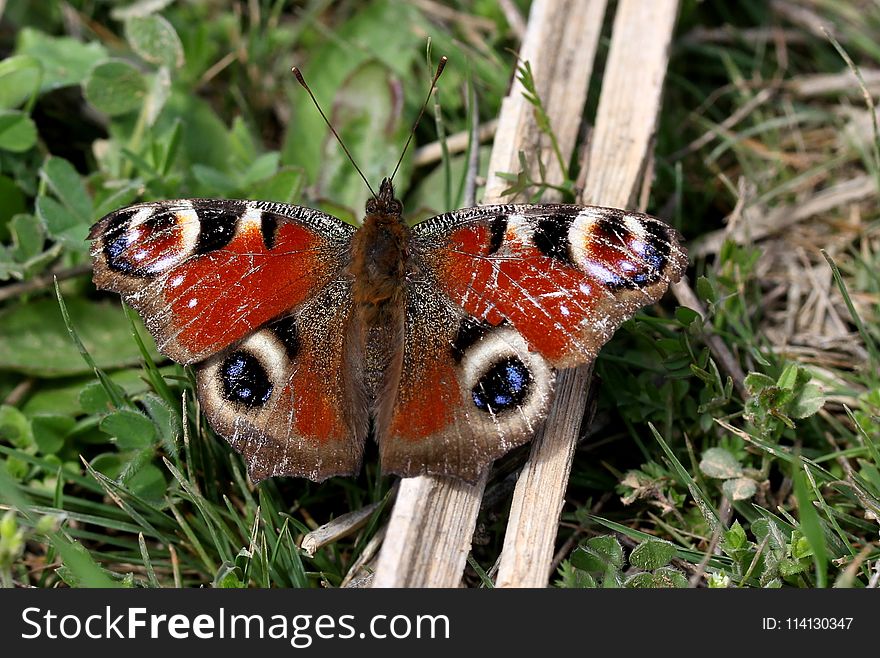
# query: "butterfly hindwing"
{"type": "Point", "coordinates": [564, 276]}
{"type": "Point", "coordinates": [287, 397]}
{"type": "Point", "coordinates": [204, 273]}
{"type": "Point", "coordinates": [468, 391]}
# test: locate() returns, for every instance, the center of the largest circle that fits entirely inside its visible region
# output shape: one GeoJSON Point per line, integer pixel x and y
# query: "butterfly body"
{"type": "Point", "coordinates": [442, 340]}
{"type": "Point", "coordinates": [380, 260]}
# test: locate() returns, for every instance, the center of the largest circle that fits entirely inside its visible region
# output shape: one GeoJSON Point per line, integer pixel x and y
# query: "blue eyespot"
{"type": "Point", "coordinates": [245, 380]}
{"type": "Point", "coordinates": [505, 385]}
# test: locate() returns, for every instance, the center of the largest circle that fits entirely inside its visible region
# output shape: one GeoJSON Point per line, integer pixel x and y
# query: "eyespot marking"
{"type": "Point", "coordinates": [143, 241]}
{"type": "Point", "coordinates": [245, 380]}
{"type": "Point", "coordinates": [504, 386]}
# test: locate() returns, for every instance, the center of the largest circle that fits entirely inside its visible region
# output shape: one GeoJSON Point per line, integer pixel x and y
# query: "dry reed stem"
{"type": "Point", "coordinates": [431, 526]}
{"type": "Point", "coordinates": [616, 159]}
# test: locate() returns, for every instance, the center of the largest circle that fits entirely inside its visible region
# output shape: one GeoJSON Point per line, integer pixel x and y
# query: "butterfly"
{"type": "Point", "coordinates": [442, 340]}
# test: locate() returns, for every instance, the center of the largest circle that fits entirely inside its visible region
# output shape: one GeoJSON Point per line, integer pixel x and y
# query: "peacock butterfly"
{"type": "Point", "coordinates": [442, 340]}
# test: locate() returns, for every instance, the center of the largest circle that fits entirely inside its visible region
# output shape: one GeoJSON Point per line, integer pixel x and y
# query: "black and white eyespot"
{"type": "Point", "coordinates": [619, 249]}
{"type": "Point", "coordinates": [149, 239]}
{"type": "Point", "coordinates": [244, 380]}
{"type": "Point", "coordinates": [504, 384]}
{"type": "Point", "coordinates": [144, 240]}
{"type": "Point", "coordinates": [247, 380]}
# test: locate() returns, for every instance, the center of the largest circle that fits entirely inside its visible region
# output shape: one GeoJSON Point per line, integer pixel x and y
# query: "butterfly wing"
{"type": "Point", "coordinates": [521, 290]}
{"type": "Point", "coordinates": [468, 391]}
{"type": "Point", "coordinates": [254, 294]}
{"type": "Point", "coordinates": [204, 273]}
{"type": "Point", "coordinates": [564, 276]}
{"type": "Point", "coordinates": [287, 396]}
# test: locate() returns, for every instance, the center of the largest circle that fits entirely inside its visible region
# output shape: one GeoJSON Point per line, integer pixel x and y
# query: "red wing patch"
{"type": "Point", "coordinates": [426, 408]}
{"type": "Point", "coordinates": [545, 300]}
{"type": "Point", "coordinates": [220, 297]}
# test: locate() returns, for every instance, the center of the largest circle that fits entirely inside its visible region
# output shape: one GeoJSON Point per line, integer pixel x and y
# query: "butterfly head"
{"type": "Point", "coordinates": [385, 202]}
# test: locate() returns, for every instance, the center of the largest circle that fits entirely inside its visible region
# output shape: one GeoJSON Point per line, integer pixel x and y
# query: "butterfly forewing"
{"type": "Point", "coordinates": [564, 276]}
{"type": "Point", "coordinates": [204, 273]}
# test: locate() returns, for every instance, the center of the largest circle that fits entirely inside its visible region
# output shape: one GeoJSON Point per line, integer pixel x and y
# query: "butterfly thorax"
{"type": "Point", "coordinates": [379, 260]}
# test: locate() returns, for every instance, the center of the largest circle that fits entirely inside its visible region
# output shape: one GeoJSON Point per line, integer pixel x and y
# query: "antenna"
{"type": "Point", "coordinates": [440, 65]}
{"type": "Point", "coordinates": [301, 80]}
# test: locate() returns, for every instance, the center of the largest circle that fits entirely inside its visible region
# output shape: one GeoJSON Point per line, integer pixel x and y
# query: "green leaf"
{"type": "Point", "coordinates": [20, 78]}
{"type": "Point", "coordinates": [686, 316]}
{"type": "Point", "coordinates": [35, 341]}
{"type": "Point", "coordinates": [739, 488]}
{"type": "Point", "coordinates": [80, 569]}
{"type": "Point", "coordinates": [132, 429]}
{"type": "Point", "coordinates": [65, 60]}
{"type": "Point", "coordinates": [789, 567]}
{"type": "Point", "coordinates": [148, 482]}
{"type": "Point", "coordinates": [204, 137]}
{"type": "Point", "coordinates": [367, 117]}
{"type": "Point", "coordinates": [307, 141]}
{"type": "Point", "coordinates": [227, 577]}
{"type": "Point", "coordinates": [572, 578]}
{"type": "Point", "coordinates": [284, 186]}
{"type": "Point", "coordinates": [667, 577]}
{"type": "Point", "coordinates": [165, 419]}
{"type": "Point", "coordinates": [735, 538]}
{"type": "Point", "coordinates": [212, 180]}
{"type": "Point", "coordinates": [652, 554]}
{"type": "Point", "coordinates": [262, 167]}
{"type": "Point", "coordinates": [94, 399]}
{"type": "Point", "coordinates": [28, 236]}
{"type": "Point", "coordinates": [640, 580]}
{"type": "Point", "coordinates": [18, 132]}
{"type": "Point", "coordinates": [109, 464]}
{"type": "Point", "coordinates": [157, 95]}
{"type": "Point", "coordinates": [61, 224]}
{"type": "Point", "coordinates": [68, 188]}
{"type": "Point", "coordinates": [719, 463]}
{"type": "Point", "coordinates": [115, 87]}
{"type": "Point", "coordinates": [15, 428]}
{"type": "Point", "coordinates": [755, 381]}
{"type": "Point", "coordinates": [155, 39]}
{"type": "Point", "coordinates": [598, 554]}
{"type": "Point", "coordinates": [811, 524]}
{"type": "Point", "coordinates": [12, 201]}
{"type": "Point", "coordinates": [807, 402]}
{"type": "Point", "coordinates": [50, 431]}
{"type": "Point", "coordinates": [705, 290]}
{"type": "Point", "coordinates": [139, 8]}
{"type": "Point", "coordinates": [67, 395]}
